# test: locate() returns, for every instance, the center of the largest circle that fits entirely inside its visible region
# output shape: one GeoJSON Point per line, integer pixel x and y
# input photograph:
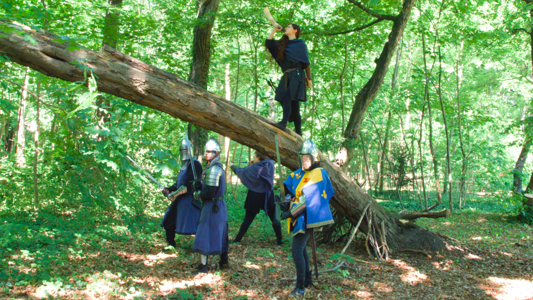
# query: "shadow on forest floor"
{"type": "Point", "coordinates": [64, 256]}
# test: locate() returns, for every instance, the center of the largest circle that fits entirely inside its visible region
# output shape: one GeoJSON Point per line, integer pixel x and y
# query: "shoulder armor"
{"type": "Point", "coordinates": [212, 176]}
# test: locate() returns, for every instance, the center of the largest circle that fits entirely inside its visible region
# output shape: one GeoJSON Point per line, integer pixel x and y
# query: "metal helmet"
{"type": "Point", "coordinates": [308, 148]}
{"type": "Point", "coordinates": [185, 149]}
{"type": "Point", "coordinates": [212, 145]}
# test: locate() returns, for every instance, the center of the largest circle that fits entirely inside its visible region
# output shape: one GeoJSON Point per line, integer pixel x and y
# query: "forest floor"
{"type": "Point", "coordinates": [49, 256]}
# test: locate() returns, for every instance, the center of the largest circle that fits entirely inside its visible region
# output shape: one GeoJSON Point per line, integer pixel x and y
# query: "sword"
{"type": "Point", "coordinates": [313, 246]}
{"type": "Point", "coordinates": [146, 173]}
{"type": "Point", "coordinates": [192, 161]}
{"type": "Point", "coordinates": [280, 182]}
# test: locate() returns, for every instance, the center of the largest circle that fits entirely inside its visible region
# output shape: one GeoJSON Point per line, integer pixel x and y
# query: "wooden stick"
{"type": "Point", "coordinates": [384, 241]}
{"type": "Point", "coordinates": [369, 221]}
{"type": "Point", "coordinates": [352, 235]}
{"type": "Point", "coordinates": [231, 180]}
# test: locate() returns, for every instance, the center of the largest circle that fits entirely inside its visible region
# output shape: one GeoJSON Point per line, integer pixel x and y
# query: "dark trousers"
{"type": "Point", "coordinates": [249, 218]}
{"type": "Point", "coordinates": [291, 109]}
{"type": "Point", "coordinates": [299, 254]}
{"type": "Point", "coordinates": [171, 235]}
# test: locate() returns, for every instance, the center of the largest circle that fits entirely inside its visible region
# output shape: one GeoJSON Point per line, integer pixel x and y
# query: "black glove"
{"type": "Point", "coordinates": [197, 185]}
{"type": "Point", "coordinates": [165, 192]}
{"type": "Point", "coordinates": [285, 215]}
{"type": "Point", "coordinates": [284, 206]}
{"type": "Point", "coordinates": [233, 167]}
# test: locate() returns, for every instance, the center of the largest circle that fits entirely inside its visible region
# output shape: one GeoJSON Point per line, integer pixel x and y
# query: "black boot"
{"type": "Point", "coordinates": [281, 126]}
{"type": "Point", "coordinates": [170, 234]}
{"type": "Point", "coordinates": [200, 269]}
{"type": "Point", "coordinates": [308, 279]}
{"type": "Point", "coordinates": [224, 261]}
{"type": "Point", "coordinates": [300, 289]}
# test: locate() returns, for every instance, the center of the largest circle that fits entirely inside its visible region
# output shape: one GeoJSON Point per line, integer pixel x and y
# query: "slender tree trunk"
{"type": "Point", "coordinates": [430, 125]}
{"type": "Point", "coordinates": [384, 152]}
{"type": "Point", "coordinates": [342, 77]}
{"type": "Point", "coordinates": [366, 165]}
{"type": "Point", "coordinates": [419, 142]}
{"type": "Point", "coordinates": [371, 88]}
{"type": "Point", "coordinates": [201, 56]}
{"type": "Point", "coordinates": [110, 33]}
{"type": "Point", "coordinates": [36, 153]}
{"type": "Point", "coordinates": [462, 179]}
{"type": "Point", "coordinates": [519, 166]}
{"type": "Point", "coordinates": [21, 128]}
{"type": "Point", "coordinates": [448, 170]}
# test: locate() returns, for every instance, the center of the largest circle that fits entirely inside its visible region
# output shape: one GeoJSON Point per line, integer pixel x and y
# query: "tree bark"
{"type": "Point", "coordinates": [201, 56]}
{"type": "Point", "coordinates": [431, 148]}
{"type": "Point", "coordinates": [110, 33]}
{"type": "Point", "coordinates": [21, 128]}
{"type": "Point", "coordinates": [448, 163]}
{"type": "Point", "coordinates": [36, 153]}
{"type": "Point", "coordinates": [519, 166]}
{"type": "Point", "coordinates": [129, 78]}
{"type": "Point", "coordinates": [367, 94]}
{"type": "Point", "coordinates": [462, 179]}
{"type": "Point", "coordinates": [419, 142]}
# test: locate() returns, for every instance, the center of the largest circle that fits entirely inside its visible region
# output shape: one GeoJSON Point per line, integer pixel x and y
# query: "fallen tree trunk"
{"type": "Point", "coordinates": [415, 215]}
{"type": "Point", "coordinates": [129, 78]}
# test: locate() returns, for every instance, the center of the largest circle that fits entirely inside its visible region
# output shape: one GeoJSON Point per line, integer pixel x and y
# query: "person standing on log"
{"type": "Point", "coordinates": [309, 190]}
{"type": "Point", "coordinates": [258, 177]}
{"type": "Point", "coordinates": [212, 234]}
{"type": "Point", "coordinates": [182, 215]}
{"type": "Point", "coordinates": [291, 55]}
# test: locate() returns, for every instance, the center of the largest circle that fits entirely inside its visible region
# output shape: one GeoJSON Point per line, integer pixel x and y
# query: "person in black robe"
{"type": "Point", "coordinates": [258, 177]}
{"type": "Point", "coordinates": [291, 55]}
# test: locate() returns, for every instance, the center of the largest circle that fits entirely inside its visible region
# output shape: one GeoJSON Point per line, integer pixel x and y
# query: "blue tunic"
{"type": "Point", "coordinates": [314, 212]}
{"type": "Point", "coordinates": [181, 212]}
{"type": "Point", "coordinates": [212, 234]}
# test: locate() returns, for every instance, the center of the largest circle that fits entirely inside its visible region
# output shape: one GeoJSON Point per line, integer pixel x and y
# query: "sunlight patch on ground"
{"type": "Point", "coordinates": [383, 287]}
{"type": "Point", "coordinates": [480, 220]}
{"type": "Point", "coordinates": [252, 266]}
{"type": "Point", "coordinates": [168, 286]}
{"type": "Point", "coordinates": [472, 256]}
{"type": "Point", "coordinates": [446, 223]}
{"type": "Point", "coordinates": [362, 294]}
{"type": "Point", "coordinates": [443, 265]}
{"type": "Point", "coordinates": [503, 288]}
{"type": "Point", "coordinates": [411, 276]}
{"type": "Point", "coordinates": [148, 260]}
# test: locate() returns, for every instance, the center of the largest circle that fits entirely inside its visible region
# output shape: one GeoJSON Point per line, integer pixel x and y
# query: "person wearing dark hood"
{"type": "Point", "coordinates": [309, 191]}
{"type": "Point", "coordinates": [212, 234]}
{"type": "Point", "coordinates": [291, 55]}
{"type": "Point", "coordinates": [182, 215]}
{"type": "Point", "coordinates": [258, 177]}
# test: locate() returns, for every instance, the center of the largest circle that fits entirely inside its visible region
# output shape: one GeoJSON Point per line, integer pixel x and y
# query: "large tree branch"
{"type": "Point", "coordinates": [521, 29]}
{"type": "Point", "coordinates": [358, 28]}
{"type": "Point", "coordinates": [131, 79]}
{"type": "Point", "coordinates": [371, 12]}
{"type": "Point", "coordinates": [368, 93]}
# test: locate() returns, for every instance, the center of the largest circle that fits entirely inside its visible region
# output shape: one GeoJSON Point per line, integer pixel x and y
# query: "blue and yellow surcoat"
{"type": "Point", "coordinates": [312, 210]}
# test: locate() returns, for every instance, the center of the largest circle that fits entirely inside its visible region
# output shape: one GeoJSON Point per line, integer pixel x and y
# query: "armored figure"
{"type": "Point", "coordinates": [309, 191]}
{"type": "Point", "coordinates": [182, 215]}
{"type": "Point", "coordinates": [212, 234]}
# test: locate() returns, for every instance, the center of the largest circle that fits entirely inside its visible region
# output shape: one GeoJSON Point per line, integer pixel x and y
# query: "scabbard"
{"type": "Point", "coordinates": [313, 246]}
